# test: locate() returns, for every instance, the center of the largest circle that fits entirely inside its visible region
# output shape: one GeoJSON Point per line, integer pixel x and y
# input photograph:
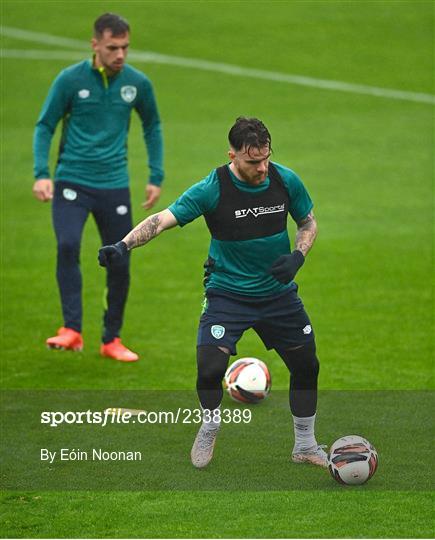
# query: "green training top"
{"type": "Point", "coordinates": [96, 112]}
{"type": "Point", "coordinates": [241, 267]}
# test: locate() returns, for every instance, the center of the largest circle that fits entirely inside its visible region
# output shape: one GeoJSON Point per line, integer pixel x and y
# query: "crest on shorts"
{"type": "Point", "coordinates": [121, 210]}
{"type": "Point", "coordinates": [69, 194]}
{"type": "Point", "coordinates": [128, 93]}
{"type": "Point", "coordinates": [307, 329]}
{"type": "Point", "coordinates": [217, 331]}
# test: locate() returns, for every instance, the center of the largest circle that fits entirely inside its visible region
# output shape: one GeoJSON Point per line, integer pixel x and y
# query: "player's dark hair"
{"type": "Point", "coordinates": [110, 21]}
{"type": "Point", "coordinates": [249, 133]}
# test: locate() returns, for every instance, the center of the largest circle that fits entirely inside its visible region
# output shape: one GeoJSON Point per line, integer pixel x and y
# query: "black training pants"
{"type": "Point", "coordinates": [72, 204]}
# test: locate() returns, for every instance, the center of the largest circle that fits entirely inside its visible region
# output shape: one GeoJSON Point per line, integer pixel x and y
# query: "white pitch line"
{"type": "Point", "coordinates": [42, 54]}
{"type": "Point", "coordinates": [205, 65]}
{"type": "Point", "coordinates": [40, 37]}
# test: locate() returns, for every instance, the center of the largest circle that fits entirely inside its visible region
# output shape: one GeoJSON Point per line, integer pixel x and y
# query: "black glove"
{"type": "Point", "coordinates": [285, 267]}
{"type": "Point", "coordinates": [112, 254]}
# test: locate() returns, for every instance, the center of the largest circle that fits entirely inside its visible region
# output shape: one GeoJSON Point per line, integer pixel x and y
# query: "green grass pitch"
{"type": "Point", "coordinates": [367, 284]}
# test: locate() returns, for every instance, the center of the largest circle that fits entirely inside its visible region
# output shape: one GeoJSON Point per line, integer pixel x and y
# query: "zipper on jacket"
{"type": "Point", "coordinates": [104, 77]}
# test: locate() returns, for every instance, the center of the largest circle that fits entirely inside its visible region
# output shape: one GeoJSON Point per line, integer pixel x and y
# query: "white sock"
{"type": "Point", "coordinates": [211, 418]}
{"type": "Point", "coordinates": [304, 433]}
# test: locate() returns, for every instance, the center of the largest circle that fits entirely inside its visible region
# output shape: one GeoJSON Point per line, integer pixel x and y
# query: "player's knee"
{"type": "Point", "coordinates": [212, 363]}
{"type": "Point", "coordinates": [68, 249]}
{"type": "Point", "coordinates": [307, 364]}
{"type": "Point", "coordinates": [302, 362]}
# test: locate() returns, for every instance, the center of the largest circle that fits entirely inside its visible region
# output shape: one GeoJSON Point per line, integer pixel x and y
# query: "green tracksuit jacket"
{"type": "Point", "coordinates": [96, 111]}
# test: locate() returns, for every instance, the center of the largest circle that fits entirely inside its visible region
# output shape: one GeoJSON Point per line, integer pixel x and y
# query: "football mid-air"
{"type": "Point", "coordinates": [248, 380]}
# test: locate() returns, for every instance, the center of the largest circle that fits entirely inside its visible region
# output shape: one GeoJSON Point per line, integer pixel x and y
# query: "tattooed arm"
{"type": "Point", "coordinates": [149, 228]}
{"type": "Point", "coordinates": [306, 234]}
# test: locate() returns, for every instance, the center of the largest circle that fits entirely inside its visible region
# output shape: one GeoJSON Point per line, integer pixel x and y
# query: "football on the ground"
{"type": "Point", "coordinates": [352, 460]}
{"type": "Point", "coordinates": [248, 380]}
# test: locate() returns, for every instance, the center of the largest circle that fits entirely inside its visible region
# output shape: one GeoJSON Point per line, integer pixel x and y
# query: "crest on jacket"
{"type": "Point", "coordinates": [128, 93]}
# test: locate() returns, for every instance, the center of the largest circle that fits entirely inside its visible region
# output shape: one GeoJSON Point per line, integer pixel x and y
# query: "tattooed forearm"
{"type": "Point", "coordinates": [144, 232]}
{"type": "Point", "coordinates": [149, 228]}
{"type": "Point", "coordinates": [307, 232]}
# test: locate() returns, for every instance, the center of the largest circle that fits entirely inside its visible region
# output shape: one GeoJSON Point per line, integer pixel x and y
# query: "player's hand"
{"type": "Point", "coordinates": [285, 267]}
{"type": "Point", "coordinates": [152, 194]}
{"type": "Point", "coordinates": [112, 254]}
{"type": "Point", "coordinates": [43, 189]}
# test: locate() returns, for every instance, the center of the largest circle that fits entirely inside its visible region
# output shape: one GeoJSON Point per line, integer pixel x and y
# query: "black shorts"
{"type": "Point", "coordinates": [280, 321]}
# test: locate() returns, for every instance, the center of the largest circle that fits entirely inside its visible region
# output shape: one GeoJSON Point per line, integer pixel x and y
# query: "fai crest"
{"type": "Point", "coordinates": [69, 194]}
{"type": "Point", "coordinates": [128, 93]}
{"type": "Point", "coordinates": [217, 331]}
{"type": "Point", "coordinates": [121, 210]}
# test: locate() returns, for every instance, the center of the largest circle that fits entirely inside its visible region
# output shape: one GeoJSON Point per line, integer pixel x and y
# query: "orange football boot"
{"type": "Point", "coordinates": [67, 339]}
{"type": "Point", "coordinates": [116, 350]}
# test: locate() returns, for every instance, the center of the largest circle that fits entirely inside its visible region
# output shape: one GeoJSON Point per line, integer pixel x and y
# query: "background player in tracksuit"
{"type": "Point", "coordinates": [250, 271]}
{"type": "Point", "coordinates": [95, 99]}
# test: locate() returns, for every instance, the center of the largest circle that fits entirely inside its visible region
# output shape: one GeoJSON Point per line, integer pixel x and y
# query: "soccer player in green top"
{"type": "Point", "coordinates": [95, 99]}
{"type": "Point", "coordinates": [249, 277]}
